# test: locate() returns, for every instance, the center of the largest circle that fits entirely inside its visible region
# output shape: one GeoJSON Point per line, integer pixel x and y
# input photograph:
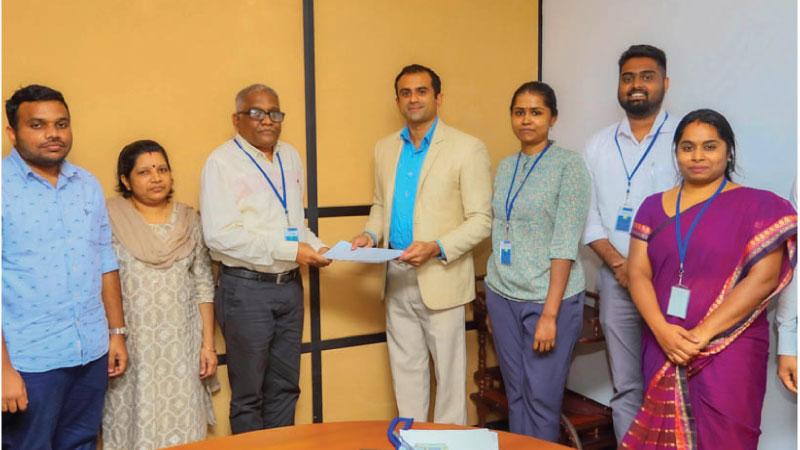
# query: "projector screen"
{"type": "Point", "coordinates": [735, 56]}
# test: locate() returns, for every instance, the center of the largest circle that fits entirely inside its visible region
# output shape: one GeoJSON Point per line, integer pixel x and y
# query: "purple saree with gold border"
{"type": "Point", "coordinates": [715, 401]}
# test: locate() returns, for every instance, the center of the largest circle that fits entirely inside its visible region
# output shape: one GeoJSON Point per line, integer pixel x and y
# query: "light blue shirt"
{"type": "Point", "coordinates": [657, 173]}
{"type": "Point", "coordinates": [786, 315]}
{"type": "Point", "coordinates": [401, 230]}
{"type": "Point", "coordinates": [56, 247]}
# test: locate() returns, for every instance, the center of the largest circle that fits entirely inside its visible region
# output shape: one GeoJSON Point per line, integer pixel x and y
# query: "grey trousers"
{"type": "Point", "coordinates": [263, 324]}
{"type": "Point", "coordinates": [534, 381]}
{"type": "Point", "coordinates": [622, 326]}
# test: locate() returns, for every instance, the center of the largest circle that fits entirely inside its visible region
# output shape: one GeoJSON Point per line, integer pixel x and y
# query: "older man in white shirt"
{"type": "Point", "coordinates": [628, 161]}
{"type": "Point", "coordinates": [251, 201]}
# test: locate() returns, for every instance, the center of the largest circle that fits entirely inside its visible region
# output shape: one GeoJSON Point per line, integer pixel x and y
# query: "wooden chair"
{"type": "Point", "coordinates": [585, 423]}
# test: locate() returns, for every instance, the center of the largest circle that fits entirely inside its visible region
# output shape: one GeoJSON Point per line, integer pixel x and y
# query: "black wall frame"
{"type": "Point", "coordinates": [314, 212]}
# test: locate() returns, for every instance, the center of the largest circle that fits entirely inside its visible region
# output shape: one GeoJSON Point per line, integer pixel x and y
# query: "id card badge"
{"type": "Point", "coordinates": [505, 253]}
{"type": "Point", "coordinates": [292, 234]}
{"type": "Point", "coordinates": [678, 301]}
{"type": "Point", "coordinates": [624, 219]}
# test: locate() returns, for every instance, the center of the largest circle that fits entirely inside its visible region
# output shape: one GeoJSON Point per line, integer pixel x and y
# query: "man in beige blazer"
{"type": "Point", "coordinates": [433, 200]}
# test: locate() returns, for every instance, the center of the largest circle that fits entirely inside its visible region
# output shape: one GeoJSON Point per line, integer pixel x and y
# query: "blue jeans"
{"type": "Point", "coordinates": [65, 409]}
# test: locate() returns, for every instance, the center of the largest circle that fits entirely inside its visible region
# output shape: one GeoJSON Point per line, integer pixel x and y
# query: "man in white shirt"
{"type": "Point", "coordinates": [628, 161]}
{"type": "Point", "coordinates": [251, 201]}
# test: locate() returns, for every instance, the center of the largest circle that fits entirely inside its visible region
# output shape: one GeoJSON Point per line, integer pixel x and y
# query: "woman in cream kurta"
{"type": "Point", "coordinates": [165, 396]}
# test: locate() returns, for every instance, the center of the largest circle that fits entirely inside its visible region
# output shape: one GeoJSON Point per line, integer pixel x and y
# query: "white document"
{"type": "Point", "coordinates": [480, 439]}
{"type": "Point", "coordinates": [342, 252]}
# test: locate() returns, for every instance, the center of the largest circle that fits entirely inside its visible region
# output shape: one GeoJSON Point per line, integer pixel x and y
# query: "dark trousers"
{"type": "Point", "coordinates": [65, 409]}
{"type": "Point", "coordinates": [263, 324]}
{"type": "Point", "coordinates": [534, 381]}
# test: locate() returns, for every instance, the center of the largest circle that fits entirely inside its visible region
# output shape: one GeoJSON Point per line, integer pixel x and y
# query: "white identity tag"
{"type": "Point", "coordinates": [624, 219]}
{"type": "Point", "coordinates": [292, 234]}
{"type": "Point", "coordinates": [505, 252]}
{"type": "Point", "coordinates": [678, 301]}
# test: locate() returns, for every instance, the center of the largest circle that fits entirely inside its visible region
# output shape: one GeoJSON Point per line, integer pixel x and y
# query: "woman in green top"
{"type": "Point", "coordinates": [534, 282]}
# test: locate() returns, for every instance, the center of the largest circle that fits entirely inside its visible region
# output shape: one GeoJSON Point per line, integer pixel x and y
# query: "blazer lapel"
{"type": "Point", "coordinates": [390, 173]}
{"type": "Point", "coordinates": [437, 142]}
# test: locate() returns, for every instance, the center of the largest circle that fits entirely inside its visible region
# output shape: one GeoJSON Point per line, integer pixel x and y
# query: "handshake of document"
{"type": "Point", "coordinates": [361, 250]}
{"type": "Point", "coordinates": [343, 251]}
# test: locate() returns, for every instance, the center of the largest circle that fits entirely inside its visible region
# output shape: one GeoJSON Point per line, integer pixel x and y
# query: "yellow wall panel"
{"type": "Point", "coordinates": [160, 70]}
{"type": "Point", "coordinates": [153, 69]}
{"type": "Point", "coordinates": [304, 412]}
{"type": "Point", "coordinates": [357, 384]}
{"type": "Point", "coordinates": [350, 293]}
{"type": "Point", "coordinates": [481, 50]}
{"type": "Point", "coordinates": [168, 70]}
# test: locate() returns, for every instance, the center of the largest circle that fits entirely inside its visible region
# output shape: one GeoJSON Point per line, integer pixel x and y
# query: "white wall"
{"type": "Point", "coordinates": [736, 56]}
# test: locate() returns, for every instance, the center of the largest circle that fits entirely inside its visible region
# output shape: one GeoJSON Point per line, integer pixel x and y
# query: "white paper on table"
{"type": "Point", "coordinates": [480, 439]}
{"type": "Point", "coordinates": [342, 252]}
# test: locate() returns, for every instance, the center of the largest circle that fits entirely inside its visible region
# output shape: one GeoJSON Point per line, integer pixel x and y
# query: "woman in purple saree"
{"type": "Point", "coordinates": [702, 279]}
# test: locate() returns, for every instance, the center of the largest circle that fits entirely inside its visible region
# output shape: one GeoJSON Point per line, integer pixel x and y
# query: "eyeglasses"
{"type": "Point", "coordinates": [259, 114]}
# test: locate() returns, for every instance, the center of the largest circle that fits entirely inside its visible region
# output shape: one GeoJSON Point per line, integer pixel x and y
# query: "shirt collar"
{"type": "Point", "coordinates": [426, 141]}
{"type": "Point", "coordinates": [625, 126]}
{"type": "Point", "coordinates": [526, 157]}
{"type": "Point", "coordinates": [68, 170]}
{"type": "Point", "coordinates": [249, 148]}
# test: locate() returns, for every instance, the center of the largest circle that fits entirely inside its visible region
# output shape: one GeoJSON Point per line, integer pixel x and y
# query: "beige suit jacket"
{"type": "Point", "coordinates": [453, 206]}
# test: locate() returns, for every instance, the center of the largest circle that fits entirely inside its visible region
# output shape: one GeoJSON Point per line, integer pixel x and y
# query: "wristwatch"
{"type": "Point", "coordinates": [121, 330]}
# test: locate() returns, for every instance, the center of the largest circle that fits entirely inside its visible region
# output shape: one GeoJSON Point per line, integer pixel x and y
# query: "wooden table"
{"type": "Point", "coordinates": [368, 435]}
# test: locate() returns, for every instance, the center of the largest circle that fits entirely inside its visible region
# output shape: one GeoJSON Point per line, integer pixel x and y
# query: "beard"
{"type": "Point", "coordinates": [650, 105]}
{"type": "Point", "coordinates": [40, 159]}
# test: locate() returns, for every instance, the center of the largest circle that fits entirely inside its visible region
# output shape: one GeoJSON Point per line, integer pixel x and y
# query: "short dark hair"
{"type": "Point", "coordinates": [644, 51]}
{"type": "Point", "coordinates": [30, 93]}
{"type": "Point", "coordinates": [718, 121]}
{"type": "Point", "coordinates": [127, 160]}
{"type": "Point", "coordinates": [539, 88]}
{"type": "Point", "coordinates": [418, 68]}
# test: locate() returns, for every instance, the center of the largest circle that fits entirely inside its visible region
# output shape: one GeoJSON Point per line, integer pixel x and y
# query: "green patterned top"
{"type": "Point", "coordinates": [546, 223]}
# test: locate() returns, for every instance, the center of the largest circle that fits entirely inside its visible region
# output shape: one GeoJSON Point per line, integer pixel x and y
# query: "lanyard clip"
{"type": "Point", "coordinates": [680, 275]}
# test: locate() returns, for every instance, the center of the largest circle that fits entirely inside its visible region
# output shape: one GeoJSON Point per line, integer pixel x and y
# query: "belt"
{"type": "Point", "coordinates": [277, 278]}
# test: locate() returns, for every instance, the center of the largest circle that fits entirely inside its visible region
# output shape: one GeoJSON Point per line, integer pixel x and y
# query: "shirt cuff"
{"type": "Point", "coordinates": [442, 254]}
{"type": "Point", "coordinates": [787, 343]}
{"type": "Point", "coordinates": [108, 259]}
{"type": "Point", "coordinates": [286, 251]}
{"type": "Point", "coordinates": [373, 237]}
{"type": "Point", "coordinates": [564, 253]}
{"type": "Point", "coordinates": [593, 233]}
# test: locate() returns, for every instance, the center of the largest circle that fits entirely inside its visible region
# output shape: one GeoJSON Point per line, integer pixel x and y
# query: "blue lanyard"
{"type": "Point", "coordinates": [511, 200]}
{"type": "Point", "coordinates": [630, 175]}
{"type": "Point", "coordinates": [683, 245]}
{"type": "Point", "coordinates": [281, 199]}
